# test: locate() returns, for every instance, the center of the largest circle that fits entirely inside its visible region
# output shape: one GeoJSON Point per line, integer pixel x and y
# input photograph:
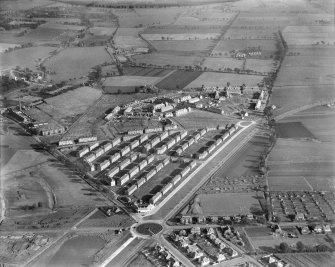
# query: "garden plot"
{"type": "Point", "coordinates": [220, 79]}
{"type": "Point", "coordinates": [224, 204]}
{"type": "Point", "coordinates": [25, 57]}
{"type": "Point", "coordinates": [222, 63]}
{"type": "Point", "coordinates": [309, 35]}
{"type": "Point", "coordinates": [260, 65]}
{"type": "Point", "coordinates": [76, 62]}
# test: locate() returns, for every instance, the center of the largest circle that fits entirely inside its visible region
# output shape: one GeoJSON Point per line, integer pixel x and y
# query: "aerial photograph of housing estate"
{"type": "Point", "coordinates": [177, 133]}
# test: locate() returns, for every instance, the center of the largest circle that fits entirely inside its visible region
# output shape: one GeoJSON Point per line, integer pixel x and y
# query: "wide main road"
{"type": "Point", "coordinates": [185, 193]}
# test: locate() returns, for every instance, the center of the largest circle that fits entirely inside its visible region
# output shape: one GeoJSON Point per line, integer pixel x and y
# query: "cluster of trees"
{"type": "Point", "coordinates": [301, 247]}
{"type": "Point", "coordinates": [7, 84]}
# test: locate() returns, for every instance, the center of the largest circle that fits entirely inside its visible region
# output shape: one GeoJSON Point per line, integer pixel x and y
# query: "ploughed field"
{"type": "Point", "coordinates": [303, 157]}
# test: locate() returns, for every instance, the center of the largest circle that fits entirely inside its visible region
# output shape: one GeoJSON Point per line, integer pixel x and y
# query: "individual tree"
{"type": "Point", "coordinates": [300, 246]}
{"type": "Point", "coordinates": [284, 247]}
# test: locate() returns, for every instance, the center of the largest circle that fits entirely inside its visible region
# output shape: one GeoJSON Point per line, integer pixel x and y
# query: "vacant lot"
{"type": "Point", "coordinates": [221, 79]}
{"type": "Point", "coordinates": [75, 62]}
{"type": "Point", "coordinates": [225, 204]}
{"type": "Point", "coordinates": [197, 119]}
{"type": "Point", "coordinates": [178, 80]}
{"type": "Point", "coordinates": [26, 57]}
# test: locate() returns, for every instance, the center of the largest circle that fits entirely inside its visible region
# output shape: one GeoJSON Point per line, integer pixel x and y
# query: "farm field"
{"type": "Point", "coordinates": [308, 259]}
{"type": "Point", "coordinates": [222, 63]}
{"type": "Point", "coordinates": [138, 71]}
{"type": "Point", "coordinates": [161, 59]}
{"type": "Point", "coordinates": [178, 79]}
{"type": "Point", "coordinates": [261, 34]}
{"type": "Point", "coordinates": [120, 81]}
{"type": "Point", "coordinates": [181, 36]}
{"type": "Point", "coordinates": [221, 79]}
{"type": "Point", "coordinates": [24, 5]}
{"type": "Point", "coordinates": [223, 48]}
{"type": "Point", "coordinates": [189, 47]}
{"type": "Point", "coordinates": [146, 17]}
{"type": "Point", "coordinates": [179, 29]}
{"type": "Point", "coordinates": [224, 204]}
{"type": "Point", "coordinates": [197, 119]}
{"type": "Point", "coordinates": [292, 130]}
{"type": "Point", "coordinates": [128, 38]}
{"type": "Point", "coordinates": [260, 65]}
{"type": "Point", "coordinates": [59, 26]}
{"type": "Point", "coordinates": [309, 35]}
{"type": "Point", "coordinates": [102, 31]}
{"type": "Point", "coordinates": [66, 68]}
{"type": "Point", "coordinates": [25, 57]}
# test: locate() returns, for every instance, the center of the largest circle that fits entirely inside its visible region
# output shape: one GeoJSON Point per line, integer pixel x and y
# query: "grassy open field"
{"type": "Point", "coordinates": [120, 81]}
{"type": "Point", "coordinates": [197, 119]}
{"type": "Point", "coordinates": [221, 79]}
{"type": "Point", "coordinates": [225, 204]}
{"type": "Point", "coordinates": [26, 57]}
{"type": "Point", "coordinates": [178, 79]}
{"type": "Point", "coordinates": [65, 67]}
{"type": "Point", "coordinates": [90, 123]}
{"type": "Point", "coordinates": [161, 59]}
{"type": "Point", "coordinates": [73, 102]}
